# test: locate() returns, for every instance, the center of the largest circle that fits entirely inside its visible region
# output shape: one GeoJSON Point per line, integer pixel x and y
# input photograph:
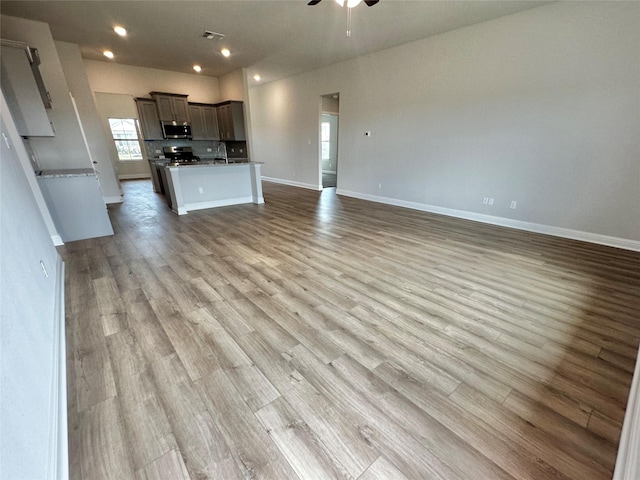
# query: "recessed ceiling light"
{"type": "Point", "coordinates": [108, 54]}
{"type": "Point", "coordinates": [197, 68]}
{"type": "Point", "coordinates": [257, 77]}
{"type": "Point", "coordinates": [120, 31]}
{"type": "Point", "coordinates": [225, 52]}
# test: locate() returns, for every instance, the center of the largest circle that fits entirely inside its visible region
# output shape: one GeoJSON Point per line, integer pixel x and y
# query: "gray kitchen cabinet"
{"type": "Point", "coordinates": [204, 123]}
{"type": "Point", "coordinates": [172, 107]}
{"type": "Point", "coordinates": [149, 120]}
{"type": "Point", "coordinates": [24, 89]}
{"type": "Point", "coordinates": [210, 122]}
{"type": "Point", "coordinates": [197, 124]}
{"type": "Point", "coordinates": [75, 202]}
{"type": "Point", "coordinates": [231, 120]}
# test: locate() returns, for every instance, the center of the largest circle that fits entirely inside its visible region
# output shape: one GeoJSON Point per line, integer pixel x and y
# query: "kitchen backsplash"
{"type": "Point", "coordinates": [218, 149]}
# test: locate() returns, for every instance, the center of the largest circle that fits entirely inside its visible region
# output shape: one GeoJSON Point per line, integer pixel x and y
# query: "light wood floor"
{"type": "Point", "coordinates": [318, 337]}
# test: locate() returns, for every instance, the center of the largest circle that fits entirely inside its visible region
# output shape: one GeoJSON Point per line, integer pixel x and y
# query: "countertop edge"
{"type": "Point", "coordinates": [66, 173]}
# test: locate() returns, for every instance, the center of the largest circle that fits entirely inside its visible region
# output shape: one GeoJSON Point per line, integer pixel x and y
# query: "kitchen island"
{"type": "Point", "coordinates": [203, 184]}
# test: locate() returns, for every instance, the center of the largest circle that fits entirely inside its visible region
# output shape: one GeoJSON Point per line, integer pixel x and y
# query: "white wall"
{"type": "Point", "coordinates": [114, 105]}
{"type": "Point", "coordinates": [66, 149]}
{"type": "Point", "coordinates": [330, 104]}
{"type": "Point", "coordinates": [111, 77]}
{"type": "Point", "coordinates": [28, 326]}
{"type": "Point", "coordinates": [542, 107]}
{"type": "Point", "coordinates": [97, 140]}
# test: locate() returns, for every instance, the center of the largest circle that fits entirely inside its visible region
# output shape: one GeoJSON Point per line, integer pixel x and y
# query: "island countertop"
{"type": "Point", "coordinates": [209, 163]}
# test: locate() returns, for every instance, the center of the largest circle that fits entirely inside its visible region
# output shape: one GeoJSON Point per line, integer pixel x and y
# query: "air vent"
{"type": "Point", "coordinates": [212, 35]}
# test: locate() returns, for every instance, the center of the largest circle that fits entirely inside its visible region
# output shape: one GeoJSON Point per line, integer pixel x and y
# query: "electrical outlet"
{"type": "Point", "coordinates": [379, 185]}
{"type": "Point", "coordinates": [200, 189]}
{"type": "Point", "coordinates": [209, 150]}
{"type": "Point", "coordinates": [513, 205]}
{"type": "Point", "coordinates": [158, 151]}
{"type": "Point", "coordinates": [485, 201]}
{"type": "Point", "coordinates": [490, 201]}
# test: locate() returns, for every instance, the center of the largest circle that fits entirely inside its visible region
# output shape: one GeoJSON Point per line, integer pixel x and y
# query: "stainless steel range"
{"type": "Point", "coordinates": [180, 154]}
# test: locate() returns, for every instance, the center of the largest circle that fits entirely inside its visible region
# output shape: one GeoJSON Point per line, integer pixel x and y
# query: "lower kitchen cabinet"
{"type": "Point", "coordinates": [75, 202]}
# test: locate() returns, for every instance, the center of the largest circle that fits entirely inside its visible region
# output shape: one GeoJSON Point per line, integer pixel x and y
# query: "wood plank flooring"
{"type": "Point", "coordinates": [319, 336]}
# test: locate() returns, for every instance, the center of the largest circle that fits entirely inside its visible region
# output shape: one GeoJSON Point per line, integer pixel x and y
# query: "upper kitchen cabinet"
{"type": "Point", "coordinates": [172, 107]}
{"type": "Point", "coordinates": [149, 120]}
{"type": "Point", "coordinates": [24, 89]}
{"type": "Point", "coordinates": [231, 120]}
{"type": "Point", "coordinates": [204, 122]}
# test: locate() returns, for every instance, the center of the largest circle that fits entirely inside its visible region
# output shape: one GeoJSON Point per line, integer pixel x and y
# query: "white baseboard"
{"type": "Point", "coordinates": [58, 448]}
{"type": "Point", "coordinates": [292, 183]}
{"type": "Point", "coordinates": [133, 176]}
{"type": "Point", "coordinates": [187, 207]}
{"type": "Point", "coordinates": [623, 243]}
{"type": "Point", "coordinates": [628, 459]}
{"type": "Point", "coordinates": [114, 199]}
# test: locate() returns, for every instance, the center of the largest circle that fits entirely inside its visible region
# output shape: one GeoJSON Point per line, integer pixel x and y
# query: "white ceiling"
{"type": "Point", "coordinates": [273, 38]}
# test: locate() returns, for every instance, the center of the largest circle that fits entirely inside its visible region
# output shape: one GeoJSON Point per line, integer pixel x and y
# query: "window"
{"type": "Point", "coordinates": [325, 138]}
{"type": "Point", "coordinates": [125, 135]}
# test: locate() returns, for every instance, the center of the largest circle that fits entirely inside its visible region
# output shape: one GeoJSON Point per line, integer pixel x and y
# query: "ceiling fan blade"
{"type": "Point", "coordinates": [371, 3]}
{"type": "Point", "coordinates": [314, 2]}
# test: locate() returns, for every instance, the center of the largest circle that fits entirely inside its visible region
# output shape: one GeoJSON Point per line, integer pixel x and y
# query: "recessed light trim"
{"type": "Point", "coordinates": [209, 35]}
{"type": "Point", "coordinates": [120, 30]}
{"type": "Point", "coordinates": [225, 52]}
{"type": "Point", "coordinates": [197, 68]}
{"type": "Point", "coordinates": [108, 54]}
{"type": "Point", "coordinates": [257, 77]}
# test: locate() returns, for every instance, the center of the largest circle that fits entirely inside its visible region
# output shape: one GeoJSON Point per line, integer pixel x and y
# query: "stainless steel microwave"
{"type": "Point", "coordinates": [176, 130]}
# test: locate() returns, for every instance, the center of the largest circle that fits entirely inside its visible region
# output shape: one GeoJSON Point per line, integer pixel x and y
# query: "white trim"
{"type": "Point", "coordinates": [292, 183]}
{"type": "Point", "coordinates": [628, 460]}
{"type": "Point", "coordinates": [57, 240]}
{"type": "Point", "coordinates": [187, 207]}
{"type": "Point", "coordinates": [58, 447]}
{"type": "Point", "coordinates": [113, 199]}
{"type": "Point", "coordinates": [503, 222]}
{"type": "Point", "coordinates": [133, 176]}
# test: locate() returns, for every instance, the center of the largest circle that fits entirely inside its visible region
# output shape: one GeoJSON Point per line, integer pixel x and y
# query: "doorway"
{"type": "Point", "coordinates": [329, 139]}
